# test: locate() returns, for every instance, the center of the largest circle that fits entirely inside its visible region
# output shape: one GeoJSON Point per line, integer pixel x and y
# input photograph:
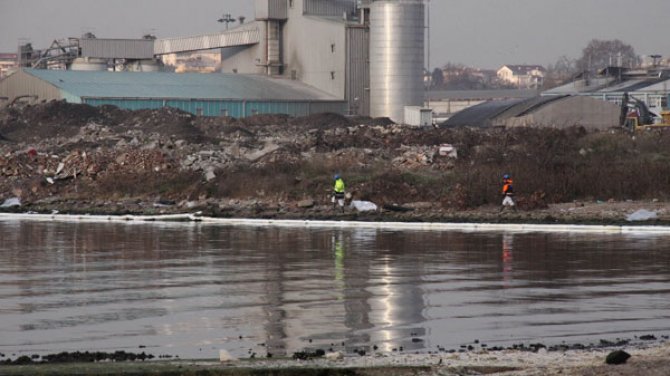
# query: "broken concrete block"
{"type": "Point", "coordinates": [11, 202]}
{"type": "Point", "coordinates": [305, 204]}
{"type": "Point", "coordinates": [225, 357]}
{"type": "Point", "coordinates": [334, 355]}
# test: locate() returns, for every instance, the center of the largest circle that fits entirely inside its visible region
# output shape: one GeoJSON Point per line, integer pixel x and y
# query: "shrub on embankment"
{"type": "Point", "coordinates": [64, 151]}
{"type": "Point", "coordinates": [557, 165]}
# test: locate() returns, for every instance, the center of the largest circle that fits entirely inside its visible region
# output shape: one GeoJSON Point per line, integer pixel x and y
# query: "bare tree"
{"type": "Point", "coordinates": [604, 53]}
{"type": "Point", "coordinates": [437, 78]}
{"type": "Point", "coordinates": [560, 72]}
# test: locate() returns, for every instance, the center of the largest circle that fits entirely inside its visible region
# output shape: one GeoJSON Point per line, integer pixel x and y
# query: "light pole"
{"type": "Point", "coordinates": [227, 19]}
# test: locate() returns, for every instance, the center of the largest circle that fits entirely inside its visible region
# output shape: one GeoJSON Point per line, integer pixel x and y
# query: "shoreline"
{"type": "Point", "coordinates": [367, 222]}
{"type": "Point", "coordinates": [646, 359]}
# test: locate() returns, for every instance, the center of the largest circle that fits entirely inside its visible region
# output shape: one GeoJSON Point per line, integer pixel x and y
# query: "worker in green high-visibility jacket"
{"type": "Point", "coordinates": [338, 192]}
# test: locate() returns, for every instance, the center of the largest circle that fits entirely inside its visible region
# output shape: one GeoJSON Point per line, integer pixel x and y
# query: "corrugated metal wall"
{"type": "Point", "coordinates": [204, 42]}
{"type": "Point", "coordinates": [358, 70]}
{"type": "Point", "coordinates": [117, 48]}
{"type": "Point", "coordinates": [332, 8]}
{"type": "Point", "coordinates": [271, 9]}
{"type": "Point", "coordinates": [237, 109]}
{"type": "Point", "coordinates": [22, 83]}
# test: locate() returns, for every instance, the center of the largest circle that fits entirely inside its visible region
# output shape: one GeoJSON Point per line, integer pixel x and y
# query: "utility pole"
{"type": "Point", "coordinates": [227, 19]}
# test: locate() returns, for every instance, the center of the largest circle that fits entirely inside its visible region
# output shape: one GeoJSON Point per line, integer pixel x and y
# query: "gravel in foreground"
{"type": "Point", "coordinates": [653, 360]}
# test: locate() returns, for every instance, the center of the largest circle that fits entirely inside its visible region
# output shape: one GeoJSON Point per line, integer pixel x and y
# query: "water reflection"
{"type": "Point", "coordinates": [190, 290]}
{"type": "Point", "coordinates": [507, 258]}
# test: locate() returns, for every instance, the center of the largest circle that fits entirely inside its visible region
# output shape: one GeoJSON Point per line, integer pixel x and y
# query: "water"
{"type": "Point", "coordinates": [189, 290]}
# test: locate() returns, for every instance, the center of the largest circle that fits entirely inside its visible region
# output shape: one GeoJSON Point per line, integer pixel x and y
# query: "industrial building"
{"type": "Point", "coordinates": [202, 94]}
{"type": "Point", "coordinates": [551, 111]}
{"type": "Point", "coordinates": [446, 103]}
{"type": "Point", "coordinates": [650, 85]}
{"type": "Point", "coordinates": [367, 54]}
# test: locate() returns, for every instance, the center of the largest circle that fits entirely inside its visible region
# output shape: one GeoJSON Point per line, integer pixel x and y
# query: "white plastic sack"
{"type": "Point", "coordinates": [641, 215]}
{"type": "Point", "coordinates": [363, 206]}
{"type": "Point", "coordinates": [14, 201]}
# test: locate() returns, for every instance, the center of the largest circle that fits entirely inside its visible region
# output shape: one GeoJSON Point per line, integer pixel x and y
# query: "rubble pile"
{"type": "Point", "coordinates": [67, 153]}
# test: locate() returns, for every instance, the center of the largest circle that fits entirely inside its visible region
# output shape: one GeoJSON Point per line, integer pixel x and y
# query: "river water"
{"type": "Point", "coordinates": [189, 290]}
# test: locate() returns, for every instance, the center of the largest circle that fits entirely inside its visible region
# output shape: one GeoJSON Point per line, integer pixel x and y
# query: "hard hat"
{"type": "Point", "coordinates": [336, 177]}
{"type": "Point", "coordinates": [506, 176]}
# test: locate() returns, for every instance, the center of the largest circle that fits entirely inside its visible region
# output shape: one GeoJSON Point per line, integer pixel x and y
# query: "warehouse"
{"type": "Point", "coordinates": [553, 112]}
{"type": "Point", "coordinates": [201, 94]}
{"type": "Point", "coordinates": [650, 85]}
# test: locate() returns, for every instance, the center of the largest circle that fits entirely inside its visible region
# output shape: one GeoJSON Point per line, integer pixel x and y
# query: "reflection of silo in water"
{"type": "Point", "coordinates": [397, 305]}
{"type": "Point", "coordinates": [396, 57]}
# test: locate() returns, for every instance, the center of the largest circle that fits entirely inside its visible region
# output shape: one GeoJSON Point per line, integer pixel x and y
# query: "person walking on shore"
{"type": "Point", "coordinates": [338, 192]}
{"type": "Point", "coordinates": [508, 193]}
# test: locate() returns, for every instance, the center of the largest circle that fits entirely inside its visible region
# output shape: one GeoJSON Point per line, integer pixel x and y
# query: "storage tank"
{"type": "Point", "coordinates": [396, 57]}
{"type": "Point", "coordinates": [88, 64]}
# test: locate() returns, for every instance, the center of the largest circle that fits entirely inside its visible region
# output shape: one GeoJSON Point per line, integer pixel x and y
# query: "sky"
{"type": "Point", "coordinates": [477, 33]}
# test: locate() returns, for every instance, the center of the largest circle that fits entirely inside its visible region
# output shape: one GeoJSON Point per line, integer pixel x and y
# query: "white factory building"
{"type": "Point", "coordinates": [369, 54]}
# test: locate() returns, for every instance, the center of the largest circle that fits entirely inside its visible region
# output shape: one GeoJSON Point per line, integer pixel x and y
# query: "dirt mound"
{"type": "Point", "coordinates": [87, 152]}
{"type": "Point", "coordinates": [52, 119]}
{"type": "Point", "coordinates": [63, 113]}
{"type": "Point", "coordinates": [366, 120]}
{"type": "Point", "coordinates": [265, 120]}
{"type": "Point", "coordinates": [323, 120]}
{"type": "Point", "coordinates": [167, 122]}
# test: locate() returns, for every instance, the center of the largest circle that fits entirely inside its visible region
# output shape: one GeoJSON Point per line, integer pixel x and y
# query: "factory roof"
{"type": "Point", "coordinates": [661, 85]}
{"type": "Point", "coordinates": [105, 84]}
{"type": "Point", "coordinates": [581, 86]}
{"type": "Point", "coordinates": [484, 114]}
{"type": "Point", "coordinates": [481, 115]}
{"type": "Point", "coordinates": [617, 80]}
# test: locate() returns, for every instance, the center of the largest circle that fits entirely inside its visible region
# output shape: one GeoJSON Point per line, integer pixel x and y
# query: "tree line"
{"type": "Point", "coordinates": [597, 54]}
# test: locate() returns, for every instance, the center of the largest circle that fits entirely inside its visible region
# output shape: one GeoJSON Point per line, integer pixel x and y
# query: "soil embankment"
{"type": "Point", "coordinates": [81, 159]}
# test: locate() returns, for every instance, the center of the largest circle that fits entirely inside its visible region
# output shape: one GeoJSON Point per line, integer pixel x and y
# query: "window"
{"type": "Point", "coordinates": [224, 112]}
{"type": "Point", "coordinates": [332, 47]}
{"type": "Point", "coordinates": [198, 111]}
{"type": "Point", "coordinates": [332, 75]}
{"type": "Point", "coordinates": [290, 3]}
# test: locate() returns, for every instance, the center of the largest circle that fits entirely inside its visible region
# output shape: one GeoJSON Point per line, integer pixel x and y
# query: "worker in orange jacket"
{"type": "Point", "coordinates": [508, 193]}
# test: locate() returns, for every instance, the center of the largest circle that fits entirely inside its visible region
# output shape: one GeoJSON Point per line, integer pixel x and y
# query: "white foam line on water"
{"type": "Point", "coordinates": [189, 219]}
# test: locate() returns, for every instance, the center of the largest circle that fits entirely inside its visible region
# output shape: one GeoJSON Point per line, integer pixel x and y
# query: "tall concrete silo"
{"type": "Point", "coordinates": [396, 57]}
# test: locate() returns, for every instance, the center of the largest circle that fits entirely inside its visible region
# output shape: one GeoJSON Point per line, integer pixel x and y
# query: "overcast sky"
{"type": "Point", "coordinates": [479, 33]}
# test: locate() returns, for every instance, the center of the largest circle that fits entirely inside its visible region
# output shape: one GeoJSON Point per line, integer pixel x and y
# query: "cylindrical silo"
{"type": "Point", "coordinates": [396, 57]}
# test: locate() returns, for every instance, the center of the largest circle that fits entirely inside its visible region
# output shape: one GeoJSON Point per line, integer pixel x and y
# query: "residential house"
{"type": "Point", "coordinates": [523, 76]}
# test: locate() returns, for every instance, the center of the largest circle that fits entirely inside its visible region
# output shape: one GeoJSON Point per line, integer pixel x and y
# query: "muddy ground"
{"type": "Point", "coordinates": [647, 361]}
{"type": "Point", "coordinates": [80, 159]}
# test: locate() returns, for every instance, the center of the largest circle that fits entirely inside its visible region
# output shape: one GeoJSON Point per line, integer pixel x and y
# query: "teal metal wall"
{"type": "Point", "coordinates": [237, 109]}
